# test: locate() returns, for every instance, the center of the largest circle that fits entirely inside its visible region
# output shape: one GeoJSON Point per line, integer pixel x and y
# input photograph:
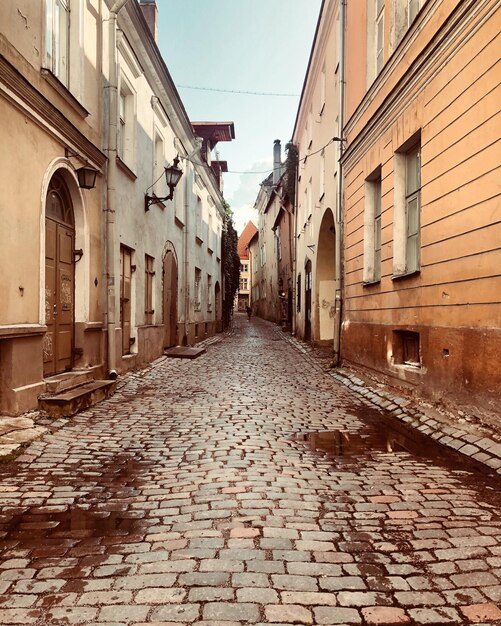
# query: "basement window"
{"type": "Point", "coordinates": [406, 348]}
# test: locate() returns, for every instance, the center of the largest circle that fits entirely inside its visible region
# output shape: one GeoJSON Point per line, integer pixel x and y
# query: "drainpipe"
{"type": "Point", "coordinates": [293, 232]}
{"type": "Point", "coordinates": [111, 201]}
{"type": "Point", "coordinates": [186, 257]}
{"type": "Point", "coordinates": [340, 211]}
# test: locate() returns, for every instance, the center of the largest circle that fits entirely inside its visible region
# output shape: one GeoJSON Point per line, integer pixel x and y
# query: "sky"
{"type": "Point", "coordinates": [240, 45]}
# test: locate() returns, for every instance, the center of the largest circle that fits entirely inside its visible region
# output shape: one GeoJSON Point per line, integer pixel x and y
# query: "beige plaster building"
{"type": "Point", "coordinates": [422, 298]}
{"type": "Point", "coordinates": [317, 135]}
{"type": "Point", "coordinates": [92, 278]}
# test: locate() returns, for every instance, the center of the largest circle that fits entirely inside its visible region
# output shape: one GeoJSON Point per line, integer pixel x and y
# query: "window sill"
{"type": "Point", "coordinates": [64, 92]}
{"type": "Point", "coordinates": [322, 197]}
{"type": "Point", "coordinates": [125, 169]}
{"type": "Point", "coordinates": [199, 240]}
{"type": "Point", "coordinates": [371, 283]}
{"type": "Point", "coordinates": [406, 275]}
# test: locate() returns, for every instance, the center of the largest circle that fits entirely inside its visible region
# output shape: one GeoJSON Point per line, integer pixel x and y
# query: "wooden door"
{"type": "Point", "coordinates": [169, 271]}
{"type": "Point", "coordinates": [307, 301]}
{"type": "Point", "coordinates": [59, 279]}
{"type": "Point", "coordinates": [59, 296]}
{"type": "Point", "coordinates": [125, 297]}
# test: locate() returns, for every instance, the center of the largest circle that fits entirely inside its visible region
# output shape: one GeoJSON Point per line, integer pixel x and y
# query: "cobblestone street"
{"type": "Point", "coordinates": [190, 497]}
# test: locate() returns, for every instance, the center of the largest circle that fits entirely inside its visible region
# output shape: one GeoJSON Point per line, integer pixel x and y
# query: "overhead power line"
{"type": "Point", "coordinates": [251, 93]}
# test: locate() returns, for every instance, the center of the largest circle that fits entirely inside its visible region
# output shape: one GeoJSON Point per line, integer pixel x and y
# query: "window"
{"type": "Point", "coordinates": [209, 292]}
{"type": "Point", "coordinates": [413, 208]}
{"type": "Point", "coordinates": [121, 127]}
{"type": "Point", "coordinates": [407, 209]}
{"type": "Point", "coordinates": [322, 90]}
{"type": "Point", "coordinates": [149, 262]}
{"type": "Point", "coordinates": [198, 288]}
{"type": "Point", "coordinates": [372, 228]}
{"type": "Point", "coordinates": [309, 128]}
{"type": "Point", "coordinates": [406, 348]}
{"type": "Point", "coordinates": [322, 174]}
{"type": "Point", "coordinates": [125, 130]}
{"type": "Point", "coordinates": [210, 243]}
{"type": "Point", "coordinates": [244, 284]}
{"type": "Point", "coordinates": [298, 294]}
{"type": "Point", "coordinates": [379, 36]}
{"type": "Point", "coordinates": [198, 225]}
{"type": "Point", "coordinates": [57, 39]}
{"type": "Point", "coordinates": [413, 8]}
{"type": "Point", "coordinates": [244, 267]}
{"type": "Point", "coordinates": [159, 184]}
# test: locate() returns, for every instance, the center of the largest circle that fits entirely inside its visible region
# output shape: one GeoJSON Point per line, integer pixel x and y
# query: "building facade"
{"type": "Point", "coordinates": [317, 137]}
{"type": "Point", "coordinates": [422, 298]}
{"type": "Point", "coordinates": [95, 278]}
{"type": "Point", "coordinates": [244, 296]}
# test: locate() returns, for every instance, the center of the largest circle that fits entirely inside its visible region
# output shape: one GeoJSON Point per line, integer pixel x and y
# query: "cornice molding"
{"type": "Point", "coordinates": [419, 74]}
{"type": "Point", "coordinates": [32, 103]}
{"type": "Point", "coordinates": [157, 74]}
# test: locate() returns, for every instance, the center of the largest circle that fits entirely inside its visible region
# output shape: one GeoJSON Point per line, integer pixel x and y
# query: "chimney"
{"type": "Point", "coordinates": [150, 14]}
{"type": "Point", "coordinates": [277, 161]}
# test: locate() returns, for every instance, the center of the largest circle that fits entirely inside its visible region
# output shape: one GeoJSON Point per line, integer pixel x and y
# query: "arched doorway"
{"type": "Point", "coordinates": [59, 278]}
{"type": "Point", "coordinates": [170, 279]}
{"type": "Point", "coordinates": [326, 279]}
{"type": "Point", "coordinates": [218, 309]}
{"type": "Point", "coordinates": [307, 301]}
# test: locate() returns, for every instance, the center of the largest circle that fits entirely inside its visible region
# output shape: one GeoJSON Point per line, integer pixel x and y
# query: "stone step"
{"type": "Point", "coordinates": [184, 352]}
{"type": "Point", "coordinates": [67, 380]}
{"type": "Point", "coordinates": [73, 400]}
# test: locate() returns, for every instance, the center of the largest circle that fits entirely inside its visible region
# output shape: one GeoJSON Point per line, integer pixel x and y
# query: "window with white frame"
{"type": "Point", "coordinates": [413, 8]}
{"type": "Point", "coordinates": [407, 209]}
{"type": "Point", "coordinates": [413, 208]}
{"type": "Point", "coordinates": [403, 15]}
{"type": "Point", "coordinates": [322, 90]}
{"type": "Point", "coordinates": [379, 35]}
{"type": "Point", "coordinates": [372, 228]}
{"type": "Point", "coordinates": [209, 292]}
{"type": "Point", "coordinates": [57, 39]}
{"type": "Point", "coordinates": [321, 174]}
{"type": "Point", "coordinates": [244, 284]}
{"type": "Point", "coordinates": [126, 124]}
{"type": "Point", "coordinates": [159, 185]}
{"type": "Point", "coordinates": [198, 289]}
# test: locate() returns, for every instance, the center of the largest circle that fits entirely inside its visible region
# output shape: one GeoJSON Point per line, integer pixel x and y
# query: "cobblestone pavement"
{"type": "Point", "coordinates": [190, 497]}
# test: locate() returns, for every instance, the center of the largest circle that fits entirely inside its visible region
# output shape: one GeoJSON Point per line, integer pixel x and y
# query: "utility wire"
{"type": "Point", "coordinates": [250, 93]}
{"type": "Point", "coordinates": [269, 171]}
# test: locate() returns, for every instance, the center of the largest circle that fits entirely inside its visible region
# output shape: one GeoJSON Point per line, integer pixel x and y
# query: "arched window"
{"type": "Point", "coordinates": [58, 206]}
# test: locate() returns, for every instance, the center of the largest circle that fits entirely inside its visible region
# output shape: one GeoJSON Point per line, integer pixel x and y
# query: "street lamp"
{"type": "Point", "coordinates": [86, 177]}
{"type": "Point", "coordinates": [172, 176]}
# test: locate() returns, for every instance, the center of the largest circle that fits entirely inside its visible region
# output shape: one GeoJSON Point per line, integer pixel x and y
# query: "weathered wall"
{"type": "Point", "coordinates": [451, 97]}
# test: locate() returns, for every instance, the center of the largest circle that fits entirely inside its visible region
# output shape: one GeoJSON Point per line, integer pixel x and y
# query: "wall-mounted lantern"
{"type": "Point", "coordinates": [86, 177]}
{"type": "Point", "coordinates": [172, 176]}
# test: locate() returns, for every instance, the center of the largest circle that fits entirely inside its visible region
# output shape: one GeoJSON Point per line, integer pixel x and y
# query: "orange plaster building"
{"type": "Point", "coordinates": [422, 212]}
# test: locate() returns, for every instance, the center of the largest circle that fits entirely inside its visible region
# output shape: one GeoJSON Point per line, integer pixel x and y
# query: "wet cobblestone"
{"type": "Point", "coordinates": [190, 498]}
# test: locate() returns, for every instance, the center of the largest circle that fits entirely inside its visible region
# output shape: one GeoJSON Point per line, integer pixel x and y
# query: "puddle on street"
{"type": "Point", "coordinates": [103, 511]}
{"type": "Point", "coordinates": [383, 434]}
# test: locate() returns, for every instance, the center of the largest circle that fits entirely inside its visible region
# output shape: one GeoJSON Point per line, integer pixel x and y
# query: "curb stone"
{"type": "Point", "coordinates": [476, 446]}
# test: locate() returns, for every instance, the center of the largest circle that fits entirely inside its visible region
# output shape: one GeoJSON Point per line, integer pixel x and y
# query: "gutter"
{"type": "Point", "coordinates": [111, 181]}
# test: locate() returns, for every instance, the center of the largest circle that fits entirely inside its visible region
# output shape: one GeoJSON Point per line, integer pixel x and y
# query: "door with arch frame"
{"type": "Point", "coordinates": [170, 283]}
{"type": "Point", "coordinates": [59, 278]}
{"type": "Point", "coordinates": [307, 301]}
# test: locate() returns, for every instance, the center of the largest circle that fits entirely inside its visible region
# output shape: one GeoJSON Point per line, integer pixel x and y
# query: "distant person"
{"type": "Point", "coordinates": [249, 312]}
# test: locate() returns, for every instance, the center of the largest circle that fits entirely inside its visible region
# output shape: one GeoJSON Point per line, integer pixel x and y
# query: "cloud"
{"type": "Point", "coordinates": [246, 189]}
{"type": "Point", "coordinates": [243, 215]}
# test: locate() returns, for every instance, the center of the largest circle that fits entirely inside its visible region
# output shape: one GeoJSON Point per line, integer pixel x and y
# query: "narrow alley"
{"type": "Point", "coordinates": [193, 496]}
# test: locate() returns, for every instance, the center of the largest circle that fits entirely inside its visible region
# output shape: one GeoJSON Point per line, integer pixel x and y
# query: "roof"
{"type": "Point", "coordinates": [214, 131]}
{"type": "Point", "coordinates": [243, 241]}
